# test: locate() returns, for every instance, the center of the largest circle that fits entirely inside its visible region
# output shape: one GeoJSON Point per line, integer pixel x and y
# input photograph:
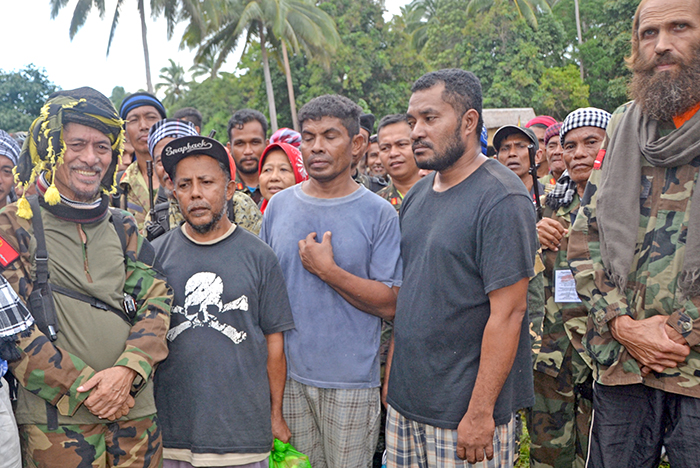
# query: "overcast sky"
{"type": "Point", "coordinates": [29, 35]}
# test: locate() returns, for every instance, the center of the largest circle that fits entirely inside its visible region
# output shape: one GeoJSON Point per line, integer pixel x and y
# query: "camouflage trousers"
{"type": "Point", "coordinates": [136, 444]}
{"type": "Point", "coordinates": [560, 421]}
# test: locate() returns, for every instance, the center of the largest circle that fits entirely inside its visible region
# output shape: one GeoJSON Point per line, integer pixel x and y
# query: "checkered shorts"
{"type": "Point", "coordinates": [336, 428]}
{"type": "Point", "coordinates": [417, 445]}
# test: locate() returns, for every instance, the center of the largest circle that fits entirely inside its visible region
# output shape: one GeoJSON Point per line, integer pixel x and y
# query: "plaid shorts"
{"type": "Point", "coordinates": [417, 445]}
{"type": "Point", "coordinates": [336, 428]}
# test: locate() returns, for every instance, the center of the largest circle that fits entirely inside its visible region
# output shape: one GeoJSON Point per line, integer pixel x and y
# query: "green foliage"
{"type": "Point", "coordinates": [560, 91]}
{"type": "Point", "coordinates": [174, 82]}
{"type": "Point", "coordinates": [22, 94]}
{"type": "Point", "coordinates": [118, 95]}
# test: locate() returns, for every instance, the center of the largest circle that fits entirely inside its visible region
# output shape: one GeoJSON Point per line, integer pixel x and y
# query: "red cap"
{"type": "Point", "coordinates": [545, 120]}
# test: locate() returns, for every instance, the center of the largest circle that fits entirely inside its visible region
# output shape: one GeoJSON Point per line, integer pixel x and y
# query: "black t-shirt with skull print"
{"type": "Point", "coordinates": [212, 392]}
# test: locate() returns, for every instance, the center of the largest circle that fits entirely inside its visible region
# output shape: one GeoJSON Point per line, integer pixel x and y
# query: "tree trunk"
{"type": "Point", "coordinates": [268, 81]}
{"type": "Point", "coordinates": [580, 37]}
{"type": "Point", "coordinates": [142, 13]}
{"type": "Point", "coordinates": [290, 87]}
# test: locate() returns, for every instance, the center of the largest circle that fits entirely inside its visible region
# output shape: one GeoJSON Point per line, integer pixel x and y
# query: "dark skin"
{"type": "Point", "coordinates": [6, 179]}
{"type": "Point", "coordinates": [138, 122]}
{"type": "Point", "coordinates": [202, 189]}
{"type": "Point", "coordinates": [327, 149]}
{"type": "Point", "coordinates": [433, 122]}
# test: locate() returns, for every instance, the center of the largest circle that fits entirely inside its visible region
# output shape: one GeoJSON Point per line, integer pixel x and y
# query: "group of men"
{"type": "Point", "coordinates": [200, 348]}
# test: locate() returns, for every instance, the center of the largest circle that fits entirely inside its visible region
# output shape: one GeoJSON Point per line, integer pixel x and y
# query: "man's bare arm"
{"type": "Point", "coordinates": [369, 296]}
{"type": "Point", "coordinates": [277, 375]}
{"type": "Point", "coordinates": [498, 349]}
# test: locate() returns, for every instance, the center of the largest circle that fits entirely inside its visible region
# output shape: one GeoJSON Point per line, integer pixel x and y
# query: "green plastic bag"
{"type": "Point", "coordinates": [286, 456]}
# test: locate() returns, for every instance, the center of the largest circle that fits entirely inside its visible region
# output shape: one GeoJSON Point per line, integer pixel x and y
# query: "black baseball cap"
{"type": "Point", "coordinates": [507, 130]}
{"type": "Point", "coordinates": [367, 122]}
{"type": "Point", "coordinates": [180, 148]}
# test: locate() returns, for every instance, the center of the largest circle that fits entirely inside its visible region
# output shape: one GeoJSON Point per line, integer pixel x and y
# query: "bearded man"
{"type": "Point", "coordinates": [635, 252]}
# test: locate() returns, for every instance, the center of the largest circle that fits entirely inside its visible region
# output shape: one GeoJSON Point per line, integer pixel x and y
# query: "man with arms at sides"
{"type": "Point", "coordinates": [396, 155]}
{"type": "Point", "coordinates": [219, 396]}
{"type": "Point", "coordinates": [561, 418]}
{"type": "Point", "coordinates": [85, 369]}
{"type": "Point", "coordinates": [190, 114]}
{"type": "Point", "coordinates": [460, 362]}
{"type": "Point", "coordinates": [338, 245]}
{"type": "Point", "coordinates": [241, 210]}
{"type": "Point", "coordinates": [247, 130]}
{"type": "Point", "coordinates": [140, 111]}
{"type": "Point", "coordinates": [635, 252]}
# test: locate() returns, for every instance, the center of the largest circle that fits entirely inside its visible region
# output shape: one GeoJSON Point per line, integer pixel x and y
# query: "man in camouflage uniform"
{"type": "Point", "coordinates": [560, 420]}
{"type": "Point", "coordinates": [247, 130]}
{"type": "Point", "coordinates": [372, 183]}
{"type": "Point", "coordinates": [139, 111]}
{"type": "Point", "coordinates": [85, 372]}
{"type": "Point", "coordinates": [396, 154]}
{"type": "Point", "coordinates": [635, 252]}
{"type": "Point", "coordinates": [245, 212]}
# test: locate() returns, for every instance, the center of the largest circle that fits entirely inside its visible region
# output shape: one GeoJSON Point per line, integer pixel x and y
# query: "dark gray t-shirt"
{"type": "Point", "coordinates": [457, 246]}
{"type": "Point", "coordinates": [212, 392]}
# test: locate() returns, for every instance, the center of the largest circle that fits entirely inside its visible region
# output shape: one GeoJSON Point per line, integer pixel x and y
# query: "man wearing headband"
{"type": "Point", "coordinates": [139, 111]}
{"type": "Point", "coordinates": [219, 394]}
{"type": "Point", "coordinates": [9, 154]}
{"type": "Point", "coordinates": [559, 421]}
{"type": "Point", "coordinates": [635, 251]}
{"type": "Point", "coordinates": [101, 309]}
{"type": "Point", "coordinates": [242, 210]}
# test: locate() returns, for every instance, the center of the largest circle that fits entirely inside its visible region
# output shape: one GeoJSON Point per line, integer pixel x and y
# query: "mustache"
{"type": "Point", "coordinates": [196, 206]}
{"type": "Point", "coordinates": [82, 167]}
{"type": "Point", "coordinates": [647, 66]}
{"type": "Point", "coordinates": [421, 144]}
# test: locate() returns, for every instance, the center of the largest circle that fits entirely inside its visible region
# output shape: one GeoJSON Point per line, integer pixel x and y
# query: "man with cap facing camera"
{"type": "Point", "coordinates": [513, 146]}
{"type": "Point", "coordinates": [101, 308]}
{"type": "Point", "coordinates": [219, 396]}
{"type": "Point", "coordinates": [140, 111]}
{"type": "Point", "coordinates": [560, 420]}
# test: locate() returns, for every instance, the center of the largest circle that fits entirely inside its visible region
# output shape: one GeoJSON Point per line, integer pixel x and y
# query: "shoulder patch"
{"type": "Point", "coordinates": [7, 253]}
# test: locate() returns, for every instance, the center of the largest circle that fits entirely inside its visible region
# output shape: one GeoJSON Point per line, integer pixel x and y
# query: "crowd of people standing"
{"type": "Point", "coordinates": [396, 298]}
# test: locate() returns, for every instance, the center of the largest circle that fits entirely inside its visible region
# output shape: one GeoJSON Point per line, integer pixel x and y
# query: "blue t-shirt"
{"type": "Point", "coordinates": [334, 345]}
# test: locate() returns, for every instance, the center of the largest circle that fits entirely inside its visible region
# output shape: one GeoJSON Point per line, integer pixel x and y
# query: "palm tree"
{"type": "Point", "coordinates": [527, 9]}
{"type": "Point", "coordinates": [418, 15]}
{"type": "Point", "coordinates": [83, 7]}
{"type": "Point", "coordinates": [174, 82]}
{"type": "Point", "coordinates": [295, 24]}
{"type": "Point", "coordinates": [207, 66]}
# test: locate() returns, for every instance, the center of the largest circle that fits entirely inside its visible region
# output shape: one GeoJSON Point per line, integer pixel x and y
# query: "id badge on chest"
{"type": "Point", "coordinates": [565, 286]}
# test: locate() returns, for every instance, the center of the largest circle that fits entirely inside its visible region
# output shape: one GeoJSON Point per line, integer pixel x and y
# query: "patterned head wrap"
{"type": "Point", "coordinates": [44, 147]}
{"type": "Point", "coordinates": [551, 131]}
{"type": "Point", "coordinates": [135, 100]}
{"type": "Point", "coordinates": [169, 128]}
{"type": "Point", "coordinates": [295, 160]}
{"type": "Point", "coordinates": [584, 117]}
{"type": "Point", "coordinates": [9, 147]}
{"type": "Point", "coordinates": [286, 135]}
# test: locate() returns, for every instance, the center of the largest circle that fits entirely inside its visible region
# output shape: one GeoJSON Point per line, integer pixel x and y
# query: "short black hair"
{"type": "Point", "coordinates": [391, 119]}
{"type": "Point", "coordinates": [462, 90]}
{"type": "Point", "coordinates": [333, 105]}
{"type": "Point", "coordinates": [243, 116]}
{"type": "Point", "coordinates": [189, 114]}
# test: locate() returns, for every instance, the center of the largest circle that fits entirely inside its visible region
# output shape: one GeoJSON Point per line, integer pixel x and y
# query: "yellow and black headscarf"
{"type": "Point", "coordinates": [44, 147]}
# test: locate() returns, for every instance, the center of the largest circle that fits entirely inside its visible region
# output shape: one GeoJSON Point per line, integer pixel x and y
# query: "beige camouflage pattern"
{"type": "Point", "coordinates": [651, 286]}
{"type": "Point", "coordinates": [51, 372]}
{"type": "Point", "coordinates": [390, 194]}
{"type": "Point", "coordinates": [137, 199]}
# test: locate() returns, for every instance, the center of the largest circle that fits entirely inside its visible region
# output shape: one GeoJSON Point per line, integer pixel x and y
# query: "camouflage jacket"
{"type": "Point", "coordinates": [136, 188]}
{"type": "Point", "coordinates": [246, 213]}
{"type": "Point", "coordinates": [52, 372]}
{"type": "Point", "coordinates": [651, 285]}
{"type": "Point", "coordinates": [374, 184]}
{"type": "Point", "coordinates": [390, 194]}
{"type": "Point", "coordinates": [256, 195]}
{"type": "Point", "coordinates": [564, 322]}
